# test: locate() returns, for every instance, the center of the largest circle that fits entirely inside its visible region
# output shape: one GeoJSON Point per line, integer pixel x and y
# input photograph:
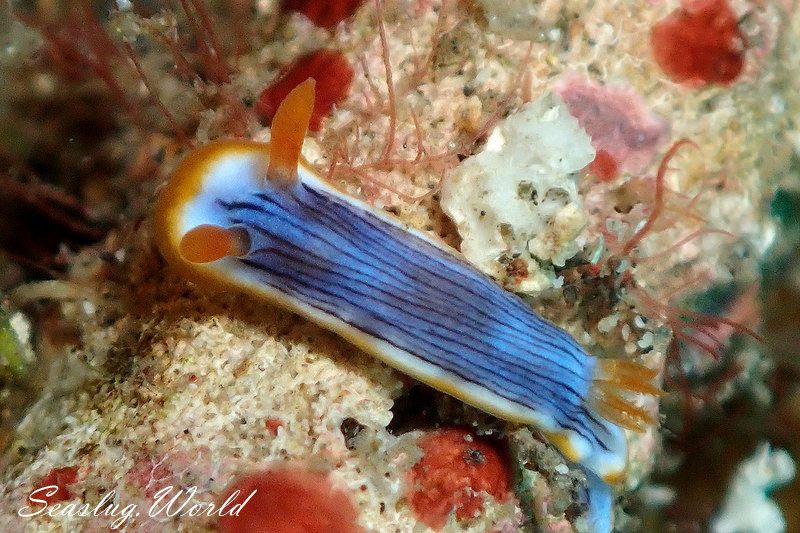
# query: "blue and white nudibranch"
{"type": "Point", "coordinates": [256, 217]}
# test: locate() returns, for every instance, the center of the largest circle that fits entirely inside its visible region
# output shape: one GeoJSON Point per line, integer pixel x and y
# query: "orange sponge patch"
{"type": "Point", "coordinates": [289, 500]}
{"type": "Point", "coordinates": [456, 472]}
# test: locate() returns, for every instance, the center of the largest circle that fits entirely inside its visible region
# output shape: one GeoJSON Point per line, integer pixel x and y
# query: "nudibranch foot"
{"type": "Point", "coordinates": [599, 499]}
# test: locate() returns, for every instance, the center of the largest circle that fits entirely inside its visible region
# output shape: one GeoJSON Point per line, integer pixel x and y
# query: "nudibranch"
{"type": "Point", "coordinates": [257, 218]}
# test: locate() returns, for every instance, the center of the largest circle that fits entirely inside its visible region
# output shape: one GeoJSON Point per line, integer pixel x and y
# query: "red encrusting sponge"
{"type": "Point", "coordinates": [604, 166]}
{"type": "Point", "coordinates": [456, 468]}
{"type": "Point", "coordinates": [332, 74]}
{"type": "Point", "coordinates": [323, 13]}
{"type": "Point", "coordinates": [289, 500]}
{"type": "Point", "coordinates": [700, 43]}
{"type": "Point", "coordinates": [59, 479]}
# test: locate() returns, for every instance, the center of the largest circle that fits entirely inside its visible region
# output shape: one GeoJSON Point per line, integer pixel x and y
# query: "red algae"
{"type": "Point", "coordinates": [53, 487]}
{"type": "Point", "coordinates": [329, 69]}
{"type": "Point", "coordinates": [456, 467]}
{"type": "Point", "coordinates": [699, 43]}
{"type": "Point", "coordinates": [618, 121]}
{"type": "Point", "coordinates": [604, 166]}
{"type": "Point", "coordinates": [272, 425]}
{"type": "Point", "coordinates": [289, 500]}
{"type": "Point", "coordinates": [323, 13]}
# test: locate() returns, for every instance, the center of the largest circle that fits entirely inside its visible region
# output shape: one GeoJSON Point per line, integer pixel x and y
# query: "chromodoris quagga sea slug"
{"type": "Point", "coordinates": [257, 218]}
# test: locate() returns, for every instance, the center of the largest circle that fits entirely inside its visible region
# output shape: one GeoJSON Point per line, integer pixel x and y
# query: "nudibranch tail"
{"type": "Point", "coordinates": [289, 128]}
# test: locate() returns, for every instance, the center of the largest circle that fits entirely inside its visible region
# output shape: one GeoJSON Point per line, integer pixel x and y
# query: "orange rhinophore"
{"type": "Point", "coordinates": [207, 242]}
{"type": "Point", "coordinates": [289, 127]}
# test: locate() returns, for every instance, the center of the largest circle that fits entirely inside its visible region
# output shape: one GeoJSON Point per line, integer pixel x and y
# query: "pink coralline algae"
{"type": "Point", "coordinates": [149, 475]}
{"type": "Point", "coordinates": [621, 127]}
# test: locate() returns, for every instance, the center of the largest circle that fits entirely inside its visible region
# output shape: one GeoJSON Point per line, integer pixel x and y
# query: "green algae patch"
{"type": "Point", "coordinates": [12, 359]}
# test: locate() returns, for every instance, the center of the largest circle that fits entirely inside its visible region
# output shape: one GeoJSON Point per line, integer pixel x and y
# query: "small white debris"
{"type": "Point", "coordinates": [88, 307]}
{"type": "Point", "coordinates": [21, 326]}
{"type": "Point", "coordinates": [747, 509]}
{"type": "Point", "coordinates": [516, 203]}
{"type": "Point", "coordinates": [520, 19]}
{"type": "Point", "coordinates": [562, 469]}
{"type": "Point", "coordinates": [656, 496]}
{"type": "Point", "coordinates": [646, 341]}
{"type": "Point", "coordinates": [606, 324]}
{"type": "Point", "coordinates": [511, 18]}
{"type": "Point", "coordinates": [600, 248]}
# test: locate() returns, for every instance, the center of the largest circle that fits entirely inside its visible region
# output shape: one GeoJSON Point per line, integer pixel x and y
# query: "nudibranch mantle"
{"type": "Point", "coordinates": [394, 292]}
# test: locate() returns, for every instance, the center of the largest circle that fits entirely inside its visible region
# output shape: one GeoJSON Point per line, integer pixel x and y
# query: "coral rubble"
{"type": "Point", "coordinates": [516, 203]}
